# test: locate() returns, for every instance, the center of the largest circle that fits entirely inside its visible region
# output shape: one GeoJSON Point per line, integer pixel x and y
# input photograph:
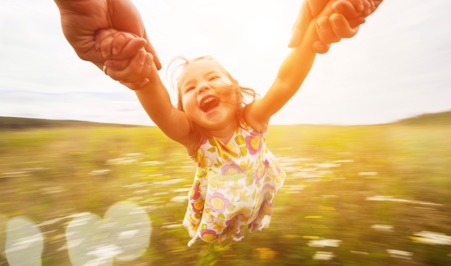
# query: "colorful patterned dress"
{"type": "Point", "coordinates": [233, 188]}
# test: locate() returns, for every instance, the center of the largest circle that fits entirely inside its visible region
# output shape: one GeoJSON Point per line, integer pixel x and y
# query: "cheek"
{"type": "Point", "coordinates": [187, 102]}
{"type": "Point", "coordinates": [231, 95]}
{"type": "Point", "coordinates": [222, 82]}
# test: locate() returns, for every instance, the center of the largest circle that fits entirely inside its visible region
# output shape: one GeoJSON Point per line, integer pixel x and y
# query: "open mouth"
{"type": "Point", "coordinates": [209, 103]}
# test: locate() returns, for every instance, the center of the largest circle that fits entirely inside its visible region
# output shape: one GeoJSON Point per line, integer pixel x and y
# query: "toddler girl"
{"type": "Point", "coordinates": [237, 176]}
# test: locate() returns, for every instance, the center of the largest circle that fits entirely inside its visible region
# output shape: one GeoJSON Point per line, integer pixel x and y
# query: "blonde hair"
{"type": "Point", "coordinates": [245, 95]}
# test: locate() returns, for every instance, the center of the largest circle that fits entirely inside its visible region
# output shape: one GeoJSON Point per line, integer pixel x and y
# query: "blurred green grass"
{"type": "Point", "coordinates": [370, 188]}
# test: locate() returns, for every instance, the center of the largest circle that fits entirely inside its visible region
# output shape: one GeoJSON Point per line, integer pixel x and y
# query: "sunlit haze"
{"type": "Point", "coordinates": [397, 66]}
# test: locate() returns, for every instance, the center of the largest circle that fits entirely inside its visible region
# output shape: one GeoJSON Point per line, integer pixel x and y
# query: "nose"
{"type": "Point", "coordinates": [203, 87]}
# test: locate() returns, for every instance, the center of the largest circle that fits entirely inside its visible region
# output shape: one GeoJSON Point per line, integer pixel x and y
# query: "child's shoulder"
{"type": "Point", "coordinates": [254, 125]}
{"type": "Point", "coordinates": [254, 119]}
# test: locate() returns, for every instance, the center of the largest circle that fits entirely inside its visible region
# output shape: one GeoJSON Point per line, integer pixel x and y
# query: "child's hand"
{"type": "Point", "coordinates": [334, 19]}
{"type": "Point", "coordinates": [82, 19]}
{"type": "Point", "coordinates": [133, 71]}
{"type": "Point", "coordinates": [118, 46]}
{"type": "Point", "coordinates": [139, 71]}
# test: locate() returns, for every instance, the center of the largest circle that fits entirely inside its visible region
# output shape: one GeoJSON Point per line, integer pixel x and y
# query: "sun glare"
{"type": "Point", "coordinates": [262, 34]}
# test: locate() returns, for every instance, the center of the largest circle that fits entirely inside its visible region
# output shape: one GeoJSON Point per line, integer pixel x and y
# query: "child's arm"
{"type": "Point", "coordinates": [291, 74]}
{"type": "Point", "coordinates": [156, 101]}
{"type": "Point", "coordinates": [139, 73]}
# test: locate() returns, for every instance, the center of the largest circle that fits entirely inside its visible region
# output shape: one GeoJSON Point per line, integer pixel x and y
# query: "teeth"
{"type": "Point", "coordinates": [207, 101]}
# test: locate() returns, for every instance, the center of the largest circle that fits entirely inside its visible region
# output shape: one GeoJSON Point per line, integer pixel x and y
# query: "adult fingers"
{"type": "Point", "coordinates": [348, 8]}
{"type": "Point", "coordinates": [325, 31]}
{"type": "Point", "coordinates": [354, 23]}
{"type": "Point", "coordinates": [370, 7]}
{"type": "Point", "coordinates": [341, 27]}
{"type": "Point", "coordinates": [353, 10]}
{"type": "Point", "coordinates": [374, 4]}
{"type": "Point", "coordinates": [309, 10]}
{"type": "Point", "coordinates": [149, 48]}
{"type": "Point", "coordinates": [377, 3]}
{"type": "Point", "coordinates": [125, 46]}
{"type": "Point", "coordinates": [137, 70]}
{"type": "Point", "coordinates": [116, 64]}
{"type": "Point", "coordinates": [367, 7]}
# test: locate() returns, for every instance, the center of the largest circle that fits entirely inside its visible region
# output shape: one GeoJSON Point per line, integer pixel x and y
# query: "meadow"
{"type": "Point", "coordinates": [354, 195]}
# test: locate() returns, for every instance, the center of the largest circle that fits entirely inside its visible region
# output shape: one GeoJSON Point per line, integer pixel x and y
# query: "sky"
{"type": "Point", "coordinates": [397, 66]}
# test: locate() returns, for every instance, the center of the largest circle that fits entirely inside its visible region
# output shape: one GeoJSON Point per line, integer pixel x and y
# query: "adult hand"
{"type": "Point", "coordinates": [344, 22]}
{"type": "Point", "coordinates": [81, 19]}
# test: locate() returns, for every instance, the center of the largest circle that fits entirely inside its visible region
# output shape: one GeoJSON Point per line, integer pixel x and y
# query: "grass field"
{"type": "Point", "coordinates": [354, 195]}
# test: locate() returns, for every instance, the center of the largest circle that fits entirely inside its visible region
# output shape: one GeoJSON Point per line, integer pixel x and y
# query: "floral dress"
{"type": "Point", "coordinates": [233, 188]}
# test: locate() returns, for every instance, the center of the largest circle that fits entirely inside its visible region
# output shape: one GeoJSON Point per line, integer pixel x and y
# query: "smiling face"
{"type": "Point", "coordinates": [208, 95]}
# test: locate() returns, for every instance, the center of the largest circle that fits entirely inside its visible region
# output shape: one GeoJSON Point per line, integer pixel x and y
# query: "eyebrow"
{"type": "Point", "coordinates": [211, 72]}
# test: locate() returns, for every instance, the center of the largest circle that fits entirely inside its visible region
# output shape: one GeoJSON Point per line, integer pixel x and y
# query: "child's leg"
{"type": "Point", "coordinates": [264, 214]}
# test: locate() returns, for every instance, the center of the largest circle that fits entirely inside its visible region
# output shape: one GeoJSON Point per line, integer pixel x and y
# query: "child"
{"type": "Point", "coordinates": [237, 176]}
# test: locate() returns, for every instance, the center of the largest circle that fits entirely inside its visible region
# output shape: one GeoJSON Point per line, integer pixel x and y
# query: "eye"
{"type": "Point", "coordinates": [188, 89]}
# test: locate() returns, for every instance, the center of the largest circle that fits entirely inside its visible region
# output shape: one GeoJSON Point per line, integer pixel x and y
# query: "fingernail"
{"type": "Point", "coordinates": [145, 41]}
{"type": "Point", "coordinates": [360, 7]}
{"type": "Point", "coordinates": [105, 53]}
{"type": "Point", "coordinates": [142, 57]}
